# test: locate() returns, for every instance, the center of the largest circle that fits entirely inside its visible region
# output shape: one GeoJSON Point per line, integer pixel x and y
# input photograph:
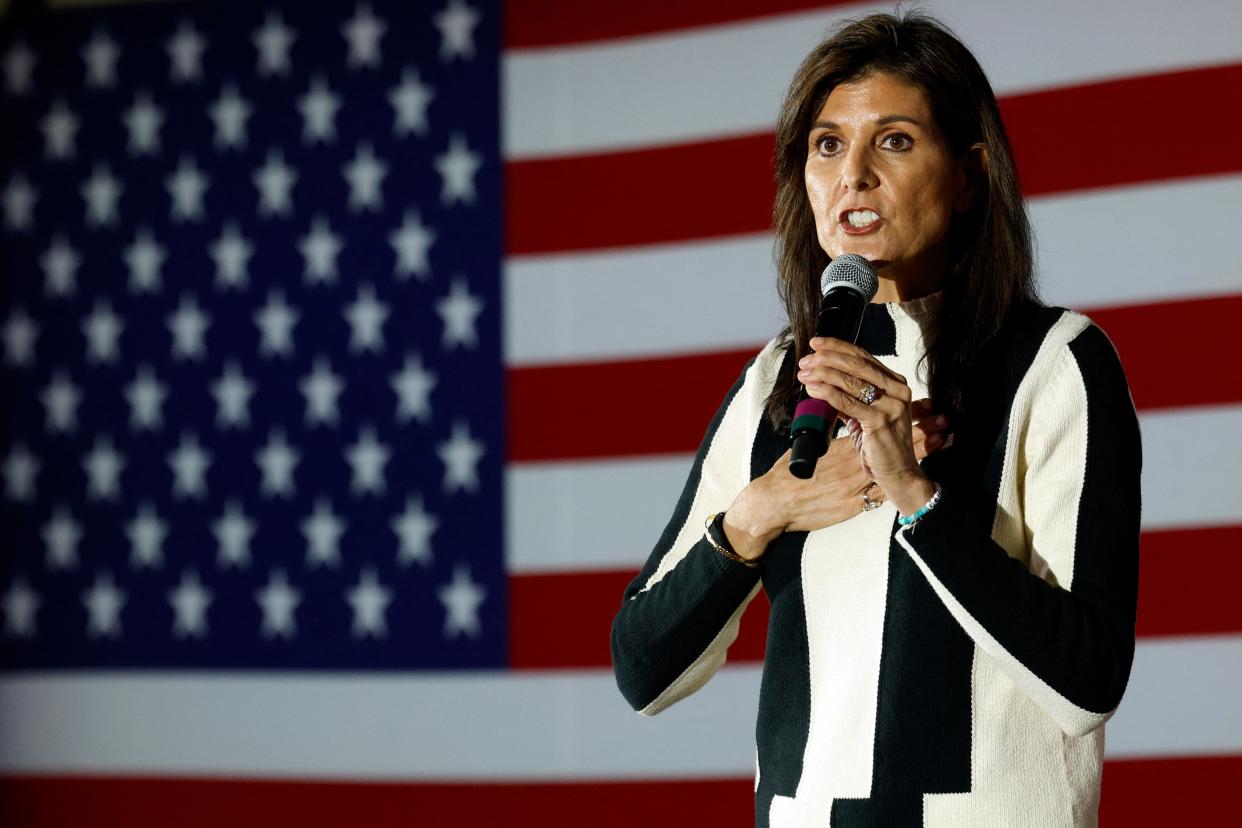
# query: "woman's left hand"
{"type": "Point", "coordinates": [836, 372]}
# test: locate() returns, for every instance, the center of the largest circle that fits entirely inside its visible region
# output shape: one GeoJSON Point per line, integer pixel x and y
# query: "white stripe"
{"type": "Point", "coordinates": [1190, 462]}
{"type": "Point", "coordinates": [1099, 249]}
{"type": "Point", "coordinates": [1181, 701]}
{"type": "Point", "coordinates": [730, 79]}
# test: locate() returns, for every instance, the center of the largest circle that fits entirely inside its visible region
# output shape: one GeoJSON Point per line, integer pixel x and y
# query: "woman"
{"type": "Point", "coordinates": [952, 612]}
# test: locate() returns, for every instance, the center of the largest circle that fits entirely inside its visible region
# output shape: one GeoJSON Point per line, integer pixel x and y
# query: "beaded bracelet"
{"type": "Point", "coordinates": [921, 513]}
{"type": "Point", "coordinates": [722, 546]}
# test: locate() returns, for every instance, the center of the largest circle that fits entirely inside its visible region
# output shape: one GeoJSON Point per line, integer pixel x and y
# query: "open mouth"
{"type": "Point", "coordinates": [861, 220]}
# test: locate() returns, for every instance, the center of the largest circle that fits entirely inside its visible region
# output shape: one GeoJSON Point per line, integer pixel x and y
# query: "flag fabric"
{"type": "Point", "coordinates": [354, 354]}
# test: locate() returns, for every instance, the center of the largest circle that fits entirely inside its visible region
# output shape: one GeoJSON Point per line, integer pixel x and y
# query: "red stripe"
{"type": "Point", "coordinates": [1178, 353]}
{"type": "Point", "coordinates": [537, 23]}
{"type": "Point", "coordinates": [670, 400]}
{"type": "Point", "coordinates": [1174, 599]}
{"type": "Point", "coordinates": [1065, 140]}
{"type": "Point", "coordinates": [1165, 791]}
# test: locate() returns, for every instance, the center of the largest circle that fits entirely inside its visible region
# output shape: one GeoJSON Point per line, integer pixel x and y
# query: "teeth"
{"type": "Point", "coordinates": [861, 218]}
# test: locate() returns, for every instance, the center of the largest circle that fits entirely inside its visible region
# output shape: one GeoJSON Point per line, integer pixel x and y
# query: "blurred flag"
{"type": "Point", "coordinates": [307, 513]}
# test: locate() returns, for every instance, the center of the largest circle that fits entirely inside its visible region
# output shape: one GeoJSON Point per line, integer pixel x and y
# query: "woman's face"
{"type": "Point", "coordinates": [881, 180]}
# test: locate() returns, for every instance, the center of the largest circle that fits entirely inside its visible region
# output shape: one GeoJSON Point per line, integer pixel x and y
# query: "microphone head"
{"type": "Point", "coordinates": [851, 271]}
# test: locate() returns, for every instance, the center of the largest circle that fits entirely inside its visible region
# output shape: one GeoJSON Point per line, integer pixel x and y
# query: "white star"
{"type": "Point", "coordinates": [100, 56]}
{"type": "Point", "coordinates": [320, 248]}
{"type": "Point", "coordinates": [414, 528]}
{"type": "Point", "coordinates": [409, 102]}
{"type": "Point", "coordinates": [456, 23]}
{"type": "Point", "coordinates": [145, 258]}
{"type": "Point", "coordinates": [145, 396]}
{"type": "Point", "coordinates": [19, 202]}
{"type": "Point", "coordinates": [229, 113]}
{"type": "Point", "coordinates": [319, 107]}
{"type": "Point", "coordinates": [231, 253]}
{"type": "Point", "coordinates": [273, 40]}
{"type": "Point", "coordinates": [143, 121]}
{"type": "Point", "coordinates": [103, 465]}
{"type": "Point", "coordinates": [363, 31]}
{"type": "Point", "coordinates": [102, 329]}
{"type": "Point", "coordinates": [277, 460]}
{"type": "Point", "coordinates": [367, 458]}
{"type": "Point", "coordinates": [21, 603]}
{"type": "Point", "coordinates": [276, 320]}
{"type": "Point", "coordinates": [186, 48]}
{"type": "Point", "coordinates": [189, 462]}
{"type": "Point", "coordinates": [369, 600]}
{"type": "Point", "coordinates": [460, 455]}
{"type": "Point", "coordinates": [232, 392]}
{"type": "Point", "coordinates": [459, 311]}
{"type": "Point", "coordinates": [19, 63]}
{"type": "Point", "coordinates": [279, 602]}
{"type": "Point", "coordinates": [186, 187]}
{"type": "Point", "coordinates": [233, 531]}
{"type": "Point", "coordinates": [323, 530]}
{"type": "Point", "coordinates": [101, 192]}
{"type": "Point", "coordinates": [413, 385]}
{"type": "Point", "coordinates": [188, 325]}
{"type": "Point", "coordinates": [20, 332]}
{"type": "Point", "coordinates": [59, 128]}
{"type": "Point", "coordinates": [103, 604]}
{"type": "Point", "coordinates": [322, 388]}
{"type": "Point", "coordinates": [411, 241]}
{"type": "Point", "coordinates": [461, 601]}
{"type": "Point", "coordinates": [457, 166]}
{"type": "Point", "coordinates": [146, 533]}
{"type": "Point", "coordinates": [20, 470]}
{"type": "Point", "coordinates": [189, 602]}
{"type": "Point", "coordinates": [61, 534]}
{"type": "Point", "coordinates": [365, 174]}
{"type": "Point", "coordinates": [61, 398]}
{"type": "Point", "coordinates": [60, 265]}
{"type": "Point", "coordinates": [275, 180]}
{"type": "Point", "coordinates": [366, 316]}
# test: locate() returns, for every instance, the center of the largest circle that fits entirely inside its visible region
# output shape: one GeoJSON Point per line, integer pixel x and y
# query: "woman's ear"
{"type": "Point", "coordinates": [974, 177]}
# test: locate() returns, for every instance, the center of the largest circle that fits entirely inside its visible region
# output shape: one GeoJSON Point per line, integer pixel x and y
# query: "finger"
{"type": "Point", "coordinates": [829, 347]}
{"type": "Point", "coordinates": [864, 370]}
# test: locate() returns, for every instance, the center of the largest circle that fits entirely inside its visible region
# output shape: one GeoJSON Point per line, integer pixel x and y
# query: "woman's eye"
{"type": "Point", "coordinates": [828, 144]}
{"type": "Point", "coordinates": [897, 141]}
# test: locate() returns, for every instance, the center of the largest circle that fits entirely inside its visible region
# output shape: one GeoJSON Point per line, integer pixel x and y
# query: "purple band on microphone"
{"type": "Point", "coordinates": [812, 406]}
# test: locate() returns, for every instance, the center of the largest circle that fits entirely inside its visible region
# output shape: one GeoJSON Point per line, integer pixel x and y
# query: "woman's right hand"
{"type": "Point", "coordinates": [777, 502]}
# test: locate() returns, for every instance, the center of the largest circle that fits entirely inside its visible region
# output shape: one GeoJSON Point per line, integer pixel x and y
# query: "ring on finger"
{"type": "Point", "coordinates": [867, 394]}
{"type": "Point", "coordinates": [869, 503]}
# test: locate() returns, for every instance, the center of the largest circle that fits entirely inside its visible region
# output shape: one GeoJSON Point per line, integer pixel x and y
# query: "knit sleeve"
{"type": "Point", "coordinates": [679, 616]}
{"type": "Point", "coordinates": [1062, 628]}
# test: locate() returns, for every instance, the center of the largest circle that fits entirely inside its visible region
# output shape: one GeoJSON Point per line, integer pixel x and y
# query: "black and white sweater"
{"type": "Point", "coordinates": [956, 674]}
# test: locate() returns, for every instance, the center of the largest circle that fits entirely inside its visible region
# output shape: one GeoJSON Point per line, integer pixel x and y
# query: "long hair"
{"type": "Point", "coordinates": [990, 260]}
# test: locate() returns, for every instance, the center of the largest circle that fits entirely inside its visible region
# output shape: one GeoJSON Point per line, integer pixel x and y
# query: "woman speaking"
{"type": "Point", "coordinates": [953, 591]}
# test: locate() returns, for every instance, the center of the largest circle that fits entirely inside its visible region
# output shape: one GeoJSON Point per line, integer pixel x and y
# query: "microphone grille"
{"type": "Point", "coordinates": [850, 270]}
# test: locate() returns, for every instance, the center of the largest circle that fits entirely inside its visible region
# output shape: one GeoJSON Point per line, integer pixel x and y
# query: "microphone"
{"type": "Point", "coordinates": [848, 285]}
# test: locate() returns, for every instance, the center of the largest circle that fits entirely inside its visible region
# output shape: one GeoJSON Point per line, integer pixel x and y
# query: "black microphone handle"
{"type": "Point", "coordinates": [840, 316]}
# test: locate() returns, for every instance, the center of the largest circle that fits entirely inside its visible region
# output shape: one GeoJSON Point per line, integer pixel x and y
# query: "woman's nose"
{"type": "Point", "coordinates": [857, 173]}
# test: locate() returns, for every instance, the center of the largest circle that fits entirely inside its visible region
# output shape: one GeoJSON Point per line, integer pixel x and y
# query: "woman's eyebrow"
{"type": "Point", "coordinates": [881, 121]}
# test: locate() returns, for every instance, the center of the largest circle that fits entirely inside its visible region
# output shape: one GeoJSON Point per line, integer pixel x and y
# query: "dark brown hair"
{"type": "Point", "coordinates": [991, 268]}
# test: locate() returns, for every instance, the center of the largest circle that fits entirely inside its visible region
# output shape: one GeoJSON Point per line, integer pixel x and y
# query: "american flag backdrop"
{"type": "Point", "coordinates": [352, 355]}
